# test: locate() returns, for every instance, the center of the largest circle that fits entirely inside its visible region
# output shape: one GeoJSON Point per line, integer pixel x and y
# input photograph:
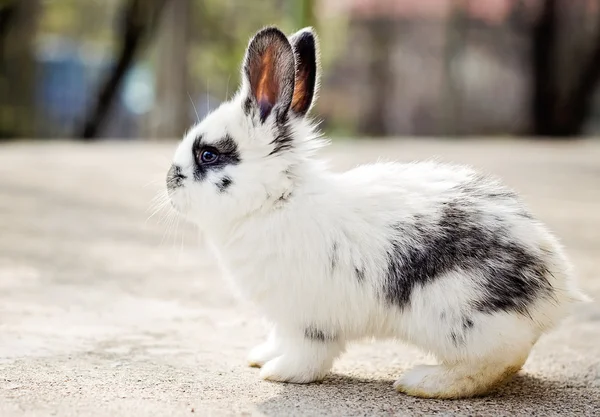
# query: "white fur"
{"type": "Point", "coordinates": [278, 255]}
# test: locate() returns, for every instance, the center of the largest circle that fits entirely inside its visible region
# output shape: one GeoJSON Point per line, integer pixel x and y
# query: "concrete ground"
{"type": "Point", "coordinates": [103, 313]}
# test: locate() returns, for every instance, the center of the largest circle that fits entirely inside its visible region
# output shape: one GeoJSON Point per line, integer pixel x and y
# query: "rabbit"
{"type": "Point", "coordinates": [432, 254]}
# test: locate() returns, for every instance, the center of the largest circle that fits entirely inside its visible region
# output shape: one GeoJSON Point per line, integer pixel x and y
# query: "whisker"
{"type": "Point", "coordinates": [227, 89]}
{"type": "Point", "coordinates": [175, 236]}
{"type": "Point", "coordinates": [160, 204]}
{"type": "Point", "coordinates": [168, 215]}
{"type": "Point", "coordinates": [170, 219]}
{"type": "Point", "coordinates": [155, 212]}
{"type": "Point", "coordinates": [153, 182]}
{"type": "Point", "coordinates": [181, 246]}
{"type": "Point", "coordinates": [194, 106]}
{"type": "Point", "coordinates": [161, 195]}
{"type": "Point", "coordinates": [207, 96]}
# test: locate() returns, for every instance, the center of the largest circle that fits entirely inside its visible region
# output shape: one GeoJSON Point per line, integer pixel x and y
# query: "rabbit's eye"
{"type": "Point", "coordinates": [208, 156]}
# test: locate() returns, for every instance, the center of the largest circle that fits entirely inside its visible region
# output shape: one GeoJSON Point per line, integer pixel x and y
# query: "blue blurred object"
{"type": "Point", "coordinates": [138, 94]}
{"type": "Point", "coordinates": [68, 80]}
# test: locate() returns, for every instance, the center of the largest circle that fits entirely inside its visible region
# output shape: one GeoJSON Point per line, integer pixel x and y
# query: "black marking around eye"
{"type": "Point", "coordinates": [228, 155]}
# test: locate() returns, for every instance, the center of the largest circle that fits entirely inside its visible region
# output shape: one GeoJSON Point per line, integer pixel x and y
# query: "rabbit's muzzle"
{"type": "Point", "coordinates": [174, 178]}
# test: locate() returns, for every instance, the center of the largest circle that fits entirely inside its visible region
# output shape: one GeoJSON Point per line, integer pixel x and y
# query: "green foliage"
{"type": "Point", "coordinates": [86, 21]}
{"type": "Point", "coordinates": [219, 33]}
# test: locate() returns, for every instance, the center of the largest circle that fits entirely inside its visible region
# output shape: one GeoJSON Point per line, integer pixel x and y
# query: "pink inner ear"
{"type": "Point", "coordinates": [268, 85]}
{"type": "Point", "coordinates": [268, 65]}
{"type": "Point", "coordinates": [300, 96]}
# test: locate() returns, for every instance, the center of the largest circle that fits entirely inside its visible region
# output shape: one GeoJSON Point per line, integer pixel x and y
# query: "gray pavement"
{"type": "Point", "coordinates": [103, 313]}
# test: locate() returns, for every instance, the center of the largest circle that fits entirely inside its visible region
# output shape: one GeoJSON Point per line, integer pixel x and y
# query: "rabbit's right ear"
{"type": "Point", "coordinates": [268, 75]}
{"type": "Point", "coordinates": [305, 46]}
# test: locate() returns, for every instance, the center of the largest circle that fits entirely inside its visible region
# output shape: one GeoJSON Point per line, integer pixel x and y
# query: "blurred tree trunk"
{"type": "Point", "coordinates": [579, 101]}
{"type": "Point", "coordinates": [170, 117]}
{"type": "Point", "coordinates": [139, 22]}
{"type": "Point", "coordinates": [555, 114]}
{"type": "Point", "coordinates": [379, 75]}
{"type": "Point", "coordinates": [545, 90]}
{"type": "Point", "coordinates": [456, 27]}
{"type": "Point", "coordinates": [18, 21]}
{"type": "Point", "coordinates": [303, 13]}
{"type": "Point", "coordinates": [7, 13]}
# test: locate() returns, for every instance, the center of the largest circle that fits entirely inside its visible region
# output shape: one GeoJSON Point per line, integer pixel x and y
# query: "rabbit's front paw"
{"type": "Point", "coordinates": [302, 361]}
{"type": "Point", "coordinates": [262, 354]}
{"type": "Point", "coordinates": [293, 368]}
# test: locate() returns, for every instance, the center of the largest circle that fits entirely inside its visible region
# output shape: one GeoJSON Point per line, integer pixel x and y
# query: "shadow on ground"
{"type": "Point", "coordinates": [341, 395]}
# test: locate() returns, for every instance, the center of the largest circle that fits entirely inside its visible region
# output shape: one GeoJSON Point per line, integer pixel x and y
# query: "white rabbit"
{"type": "Point", "coordinates": [435, 255]}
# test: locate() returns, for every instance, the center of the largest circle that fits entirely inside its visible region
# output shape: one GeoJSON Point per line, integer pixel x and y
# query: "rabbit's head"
{"type": "Point", "coordinates": [248, 152]}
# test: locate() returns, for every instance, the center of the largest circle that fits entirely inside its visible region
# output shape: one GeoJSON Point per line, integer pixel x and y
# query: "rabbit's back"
{"type": "Point", "coordinates": [442, 221]}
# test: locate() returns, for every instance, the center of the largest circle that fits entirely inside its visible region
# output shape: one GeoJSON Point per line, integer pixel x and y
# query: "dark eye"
{"type": "Point", "coordinates": [208, 156]}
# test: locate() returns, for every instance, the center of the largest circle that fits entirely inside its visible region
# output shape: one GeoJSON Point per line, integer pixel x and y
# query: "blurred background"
{"type": "Point", "coordinates": [91, 69]}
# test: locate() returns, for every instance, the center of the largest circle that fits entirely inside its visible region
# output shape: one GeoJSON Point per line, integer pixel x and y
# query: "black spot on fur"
{"type": "Point", "coordinates": [283, 141]}
{"type": "Point", "coordinates": [228, 155]}
{"type": "Point", "coordinates": [248, 106]}
{"type": "Point", "coordinates": [525, 214]}
{"type": "Point", "coordinates": [281, 118]}
{"type": "Point", "coordinates": [224, 184]}
{"type": "Point", "coordinates": [283, 198]}
{"type": "Point", "coordinates": [334, 255]}
{"type": "Point", "coordinates": [317, 335]}
{"type": "Point", "coordinates": [360, 274]}
{"type": "Point", "coordinates": [511, 276]}
{"type": "Point", "coordinates": [459, 336]}
{"type": "Point", "coordinates": [467, 323]}
{"type": "Point", "coordinates": [485, 187]}
{"type": "Point", "coordinates": [174, 178]}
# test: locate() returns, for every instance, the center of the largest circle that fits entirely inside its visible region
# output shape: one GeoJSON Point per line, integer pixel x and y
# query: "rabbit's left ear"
{"type": "Point", "coordinates": [305, 45]}
{"type": "Point", "coordinates": [269, 74]}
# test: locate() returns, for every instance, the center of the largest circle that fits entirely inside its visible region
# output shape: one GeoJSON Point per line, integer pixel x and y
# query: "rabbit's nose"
{"type": "Point", "coordinates": [175, 177]}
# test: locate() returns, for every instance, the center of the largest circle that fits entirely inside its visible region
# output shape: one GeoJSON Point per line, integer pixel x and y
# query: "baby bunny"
{"type": "Point", "coordinates": [436, 255]}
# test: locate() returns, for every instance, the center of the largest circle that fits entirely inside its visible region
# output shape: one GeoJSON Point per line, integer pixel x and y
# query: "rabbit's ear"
{"type": "Point", "coordinates": [305, 46]}
{"type": "Point", "coordinates": [269, 74]}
